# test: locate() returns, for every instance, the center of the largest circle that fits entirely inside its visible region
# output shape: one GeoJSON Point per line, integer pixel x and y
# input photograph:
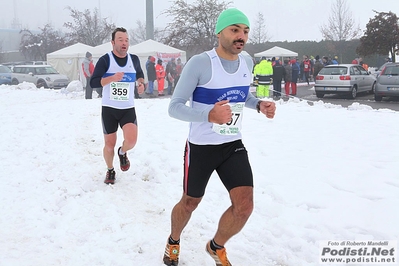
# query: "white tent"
{"type": "Point", "coordinates": [100, 50]}
{"type": "Point", "coordinates": [245, 53]}
{"type": "Point", "coordinates": [68, 60]}
{"type": "Point", "coordinates": [277, 52]}
{"type": "Point", "coordinates": [143, 50]}
{"type": "Point", "coordinates": [158, 50]}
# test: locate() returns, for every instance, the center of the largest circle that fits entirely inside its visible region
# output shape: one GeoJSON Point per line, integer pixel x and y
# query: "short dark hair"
{"type": "Point", "coordinates": [116, 30]}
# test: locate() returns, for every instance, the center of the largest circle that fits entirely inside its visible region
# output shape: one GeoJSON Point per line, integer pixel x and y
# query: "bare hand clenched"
{"type": "Point", "coordinates": [268, 108]}
{"type": "Point", "coordinates": [118, 76]}
{"type": "Point", "coordinates": [220, 113]}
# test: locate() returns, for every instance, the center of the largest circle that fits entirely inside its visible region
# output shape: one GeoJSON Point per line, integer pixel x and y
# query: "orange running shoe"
{"type": "Point", "coordinates": [171, 255]}
{"type": "Point", "coordinates": [220, 255]}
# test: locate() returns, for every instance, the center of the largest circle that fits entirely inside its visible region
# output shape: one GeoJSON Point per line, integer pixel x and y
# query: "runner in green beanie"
{"type": "Point", "coordinates": [229, 17]}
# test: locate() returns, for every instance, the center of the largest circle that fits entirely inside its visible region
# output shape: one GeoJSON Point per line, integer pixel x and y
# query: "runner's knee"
{"type": "Point", "coordinates": [242, 202]}
{"type": "Point", "coordinates": [190, 204]}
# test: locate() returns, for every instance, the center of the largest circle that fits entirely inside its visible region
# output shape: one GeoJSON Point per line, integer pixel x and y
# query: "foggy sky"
{"type": "Point", "coordinates": [286, 20]}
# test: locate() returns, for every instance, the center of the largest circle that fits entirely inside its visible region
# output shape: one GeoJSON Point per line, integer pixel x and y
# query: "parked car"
{"type": "Point", "coordinates": [378, 70]}
{"type": "Point", "coordinates": [34, 63]}
{"type": "Point", "coordinates": [5, 75]}
{"type": "Point", "coordinates": [40, 75]}
{"type": "Point", "coordinates": [9, 65]}
{"type": "Point", "coordinates": [349, 79]}
{"type": "Point", "coordinates": [387, 82]}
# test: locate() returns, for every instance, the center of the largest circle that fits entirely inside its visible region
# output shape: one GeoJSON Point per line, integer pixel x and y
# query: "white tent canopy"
{"type": "Point", "coordinates": [277, 51]}
{"type": "Point", "coordinates": [68, 60]}
{"type": "Point", "coordinates": [143, 50]}
{"type": "Point", "coordinates": [100, 50]}
{"type": "Point", "coordinates": [151, 47]}
{"type": "Point", "coordinates": [158, 50]}
{"type": "Point", "coordinates": [246, 53]}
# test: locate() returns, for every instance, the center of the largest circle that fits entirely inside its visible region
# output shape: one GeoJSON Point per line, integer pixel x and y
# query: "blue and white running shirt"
{"type": "Point", "coordinates": [205, 80]}
{"type": "Point", "coordinates": [120, 95]}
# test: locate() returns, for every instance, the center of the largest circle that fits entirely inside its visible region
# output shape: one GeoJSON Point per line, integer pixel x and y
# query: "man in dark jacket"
{"type": "Point", "coordinates": [278, 75]}
{"type": "Point", "coordinates": [171, 75]}
{"type": "Point", "coordinates": [151, 75]}
{"type": "Point", "coordinates": [318, 65]}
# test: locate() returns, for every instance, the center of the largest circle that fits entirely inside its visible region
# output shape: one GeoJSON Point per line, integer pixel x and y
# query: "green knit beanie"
{"type": "Point", "coordinates": [229, 17]}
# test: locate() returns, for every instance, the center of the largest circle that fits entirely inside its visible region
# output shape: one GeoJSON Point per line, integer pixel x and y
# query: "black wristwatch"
{"type": "Point", "coordinates": [258, 106]}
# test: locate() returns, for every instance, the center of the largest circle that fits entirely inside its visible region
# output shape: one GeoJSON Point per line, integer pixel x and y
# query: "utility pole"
{"type": "Point", "coordinates": [149, 29]}
{"type": "Point", "coordinates": [48, 13]}
{"type": "Point", "coordinates": [15, 23]}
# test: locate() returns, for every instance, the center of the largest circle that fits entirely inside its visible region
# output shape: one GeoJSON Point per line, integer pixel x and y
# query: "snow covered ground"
{"type": "Point", "coordinates": [322, 172]}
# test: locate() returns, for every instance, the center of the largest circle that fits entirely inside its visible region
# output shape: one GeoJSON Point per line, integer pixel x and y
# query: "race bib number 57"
{"type": "Point", "coordinates": [234, 126]}
{"type": "Point", "coordinates": [120, 91]}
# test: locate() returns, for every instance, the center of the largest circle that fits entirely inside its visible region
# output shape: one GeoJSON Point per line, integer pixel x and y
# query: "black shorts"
{"type": "Point", "coordinates": [112, 117]}
{"type": "Point", "coordinates": [230, 160]}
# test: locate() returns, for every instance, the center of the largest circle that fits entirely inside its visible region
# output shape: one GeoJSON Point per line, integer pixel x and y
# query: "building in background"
{"type": "Point", "coordinates": [10, 40]}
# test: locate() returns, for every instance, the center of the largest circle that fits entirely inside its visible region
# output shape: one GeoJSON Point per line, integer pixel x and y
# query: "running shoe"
{"type": "Point", "coordinates": [124, 161]}
{"type": "Point", "coordinates": [110, 177]}
{"type": "Point", "coordinates": [171, 256]}
{"type": "Point", "coordinates": [220, 255]}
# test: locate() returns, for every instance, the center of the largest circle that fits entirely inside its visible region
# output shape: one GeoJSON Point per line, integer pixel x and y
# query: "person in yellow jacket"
{"type": "Point", "coordinates": [263, 73]}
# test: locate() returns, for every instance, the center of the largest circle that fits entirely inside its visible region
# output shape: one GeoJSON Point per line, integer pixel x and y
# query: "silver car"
{"type": "Point", "coordinates": [348, 79]}
{"type": "Point", "coordinates": [41, 75]}
{"type": "Point", "coordinates": [378, 70]}
{"type": "Point", "coordinates": [387, 82]}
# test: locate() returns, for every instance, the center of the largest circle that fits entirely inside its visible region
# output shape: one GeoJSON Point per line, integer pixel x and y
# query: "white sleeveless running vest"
{"type": "Point", "coordinates": [120, 95]}
{"type": "Point", "coordinates": [221, 86]}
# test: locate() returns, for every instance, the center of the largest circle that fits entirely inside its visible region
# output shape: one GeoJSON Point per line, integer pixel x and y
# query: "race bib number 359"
{"type": "Point", "coordinates": [234, 126]}
{"type": "Point", "coordinates": [120, 91]}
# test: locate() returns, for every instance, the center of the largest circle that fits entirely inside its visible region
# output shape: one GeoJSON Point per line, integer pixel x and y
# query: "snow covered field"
{"type": "Point", "coordinates": [322, 172]}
